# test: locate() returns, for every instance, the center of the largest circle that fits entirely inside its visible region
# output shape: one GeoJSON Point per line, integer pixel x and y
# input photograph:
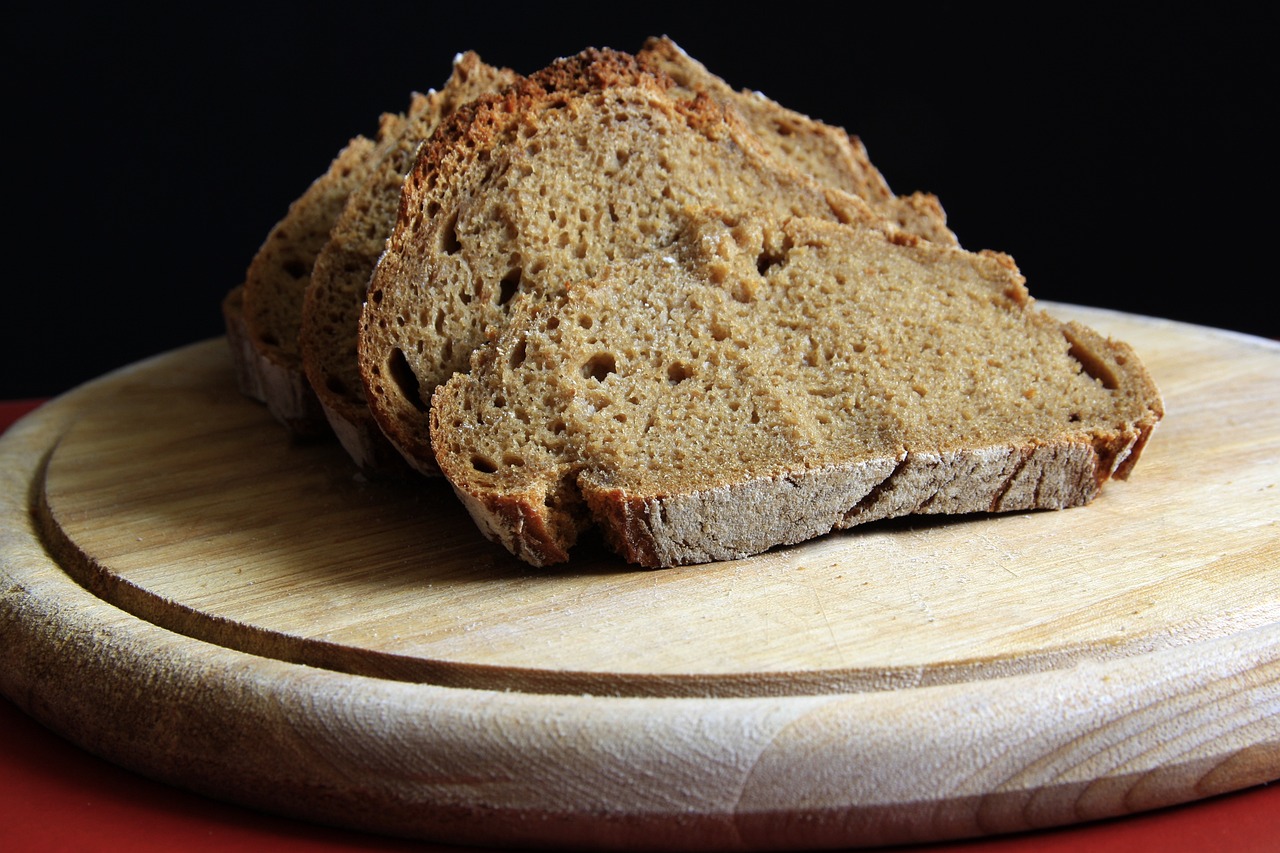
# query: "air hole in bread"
{"type": "Point", "coordinates": [599, 366]}
{"type": "Point", "coordinates": [1091, 364]}
{"type": "Point", "coordinates": [404, 378]}
{"type": "Point", "coordinates": [297, 269]}
{"type": "Point", "coordinates": [483, 464]}
{"type": "Point", "coordinates": [449, 242]}
{"type": "Point", "coordinates": [767, 261]}
{"type": "Point", "coordinates": [678, 372]}
{"type": "Point", "coordinates": [516, 356]}
{"type": "Point", "coordinates": [508, 286]}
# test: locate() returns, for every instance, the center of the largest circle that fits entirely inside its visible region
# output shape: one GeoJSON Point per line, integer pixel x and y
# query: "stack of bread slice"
{"type": "Point", "coordinates": [340, 276]}
{"type": "Point", "coordinates": [292, 324]}
{"type": "Point", "coordinates": [620, 294]}
{"type": "Point", "coordinates": [263, 315]}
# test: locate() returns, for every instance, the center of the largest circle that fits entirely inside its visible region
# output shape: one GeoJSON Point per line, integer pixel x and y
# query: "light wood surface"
{"type": "Point", "coordinates": [198, 598]}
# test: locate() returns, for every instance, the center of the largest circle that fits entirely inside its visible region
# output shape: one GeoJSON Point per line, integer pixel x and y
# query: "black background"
{"type": "Point", "coordinates": [1120, 157]}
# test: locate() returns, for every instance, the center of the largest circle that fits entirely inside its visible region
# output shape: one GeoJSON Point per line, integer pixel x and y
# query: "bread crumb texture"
{"type": "Point", "coordinates": [620, 293]}
{"type": "Point", "coordinates": [332, 302]}
{"type": "Point", "coordinates": [587, 164]}
{"type": "Point", "coordinates": [766, 381]}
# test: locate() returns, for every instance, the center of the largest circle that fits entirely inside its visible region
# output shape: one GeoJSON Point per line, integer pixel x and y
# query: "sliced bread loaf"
{"type": "Point", "coordinates": [763, 380]}
{"type": "Point", "coordinates": [589, 162]}
{"type": "Point", "coordinates": [829, 154]}
{"type": "Point", "coordinates": [330, 312]}
{"type": "Point", "coordinates": [271, 298]}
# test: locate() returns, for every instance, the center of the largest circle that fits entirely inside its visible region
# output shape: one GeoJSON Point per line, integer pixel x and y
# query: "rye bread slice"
{"type": "Point", "coordinates": [264, 332]}
{"type": "Point", "coordinates": [764, 380]}
{"type": "Point", "coordinates": [591, 161]}
{"type": "Point", "coordinates": [829, 154]}
{"type": "Point", "coordinates": [330, 309]}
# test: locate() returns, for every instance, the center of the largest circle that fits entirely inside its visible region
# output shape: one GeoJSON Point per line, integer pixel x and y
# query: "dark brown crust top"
{"type": "Point", "coordinates": [485, 122]}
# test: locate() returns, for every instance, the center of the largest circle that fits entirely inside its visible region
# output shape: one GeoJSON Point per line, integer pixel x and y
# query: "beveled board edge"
{"type": "Point", "coordinates": [482, 767]}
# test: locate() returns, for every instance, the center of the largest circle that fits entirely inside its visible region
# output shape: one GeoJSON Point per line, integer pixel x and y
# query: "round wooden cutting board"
{"type": "Point", "coordinates": [191, 595]}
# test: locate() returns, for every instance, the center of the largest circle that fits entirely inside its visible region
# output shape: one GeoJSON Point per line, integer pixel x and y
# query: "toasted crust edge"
{"type": "Point", "coordinates": [738, 520]}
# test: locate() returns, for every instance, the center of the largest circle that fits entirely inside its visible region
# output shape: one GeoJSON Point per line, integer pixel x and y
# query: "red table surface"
{"type": "Point", "coordinates": [56, 796]}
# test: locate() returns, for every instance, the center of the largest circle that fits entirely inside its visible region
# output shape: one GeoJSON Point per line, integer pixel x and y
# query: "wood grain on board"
{"type": "Point", "coordinates": [200, 598]}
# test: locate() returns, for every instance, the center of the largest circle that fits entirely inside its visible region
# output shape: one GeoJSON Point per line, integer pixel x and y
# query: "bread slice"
{"type": "Point", "coordinates": [271, 298]}
{"type": "Point", "coordinates": [829, 154]}
{"type": "Point", "coordinates": [763, 380]}
{"type": "Point", "coordinates": [330, 312]}
{"type": "Point", "coordinates": [244, 359]}
{"type": "Point", "coordinates": [589, 162]}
